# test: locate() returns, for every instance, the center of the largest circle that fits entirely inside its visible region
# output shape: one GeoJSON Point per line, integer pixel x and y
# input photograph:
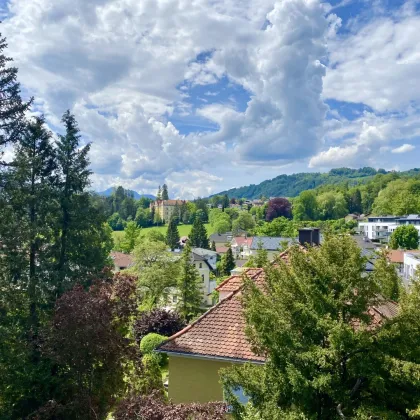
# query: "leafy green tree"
{"type": "Point", "coordinates": [143, 217]}
{"type": "Point", "coordinates": [278, 227]}
{"type": "Point", "coordinates": [228, 262]}
{"type": "Point", "coordinates": [222, 224]}
{"type": "Point", "coordinates": [157, 220]}
{"type": "Point", "coordinates": [12, 111]}
{"type": "Point", "coordinates": [154, 235]}
{"type": "Point", "coordinates": [172, 234]}
{"type": "Point", "coordinates": [116, 222]}
{"type": "Point", "coordinates": [131, 235]}
{"type": "Point", "coordinates": [305, 207]}
{"type": "Point", "coordinates": [325, 357]}
{"type": "Point", "coordinates": [198, 236]}
{"type": "Point", "coordinates": [82, 243]}
{"type": "Point", "coordinates": [189, 287]}
{"type": "Point", "coordinates": [244, 222]}
{"type": "Point", "coordinates": [332, 206]}
{"type": "Point", "coordinates": [405, 237]}
{"type": "Point", "coordinates": [386, 276]}
{"type": "Point", "coordinates": [157, 271]}
{"type": "Point", "coordinates": [165, 195]}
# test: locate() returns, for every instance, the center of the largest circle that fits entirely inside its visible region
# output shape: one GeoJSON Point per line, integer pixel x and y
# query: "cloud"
{"type": "Point", "coordinates": [404, 148]}
{"type": "Point", "coordinates": [124, 67]}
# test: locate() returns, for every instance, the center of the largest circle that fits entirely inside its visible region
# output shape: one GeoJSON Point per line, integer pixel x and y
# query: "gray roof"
{"type": "Point", "coordinates": [221, 237]}
{"type": "Point", "coordinates": [204, 252]}
{"type": "Point", "coordinates": [270, 244]}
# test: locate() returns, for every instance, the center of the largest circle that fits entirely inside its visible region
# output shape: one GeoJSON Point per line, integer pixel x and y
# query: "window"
{"type": "Point", "coordinates": [201, 265]}
{"type": "Point", "coordinates": [202, 277]}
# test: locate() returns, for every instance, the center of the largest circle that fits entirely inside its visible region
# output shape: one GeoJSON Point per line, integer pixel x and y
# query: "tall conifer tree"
{"type": "Point", "coordinates": [189, 286]}
{"type": "Point", "coordinates": [198, 236]}
{"type": "Point", "coordinates": [172, 234]}
{"type": "Point", "coordinates": [165, 195]}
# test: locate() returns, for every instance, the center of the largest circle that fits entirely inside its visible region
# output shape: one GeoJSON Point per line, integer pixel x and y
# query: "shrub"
{"type": "Point", "coordinates": [149, 343]}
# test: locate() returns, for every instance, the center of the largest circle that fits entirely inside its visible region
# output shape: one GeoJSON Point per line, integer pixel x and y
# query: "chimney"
{"type": "Point", "coordinates": [316, 238]}
{"type": "Point", "coordinates": [305, 236]}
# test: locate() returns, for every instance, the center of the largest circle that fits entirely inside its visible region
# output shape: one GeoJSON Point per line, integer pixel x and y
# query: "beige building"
{"type": "Point", "coordinates": [166, 208]}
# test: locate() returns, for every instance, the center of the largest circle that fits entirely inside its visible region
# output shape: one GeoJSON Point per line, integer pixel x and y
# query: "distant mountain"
{"type": "Point", "coordinates": [136, 195]}
{"type": "Point", "coordinates": [293, 185]}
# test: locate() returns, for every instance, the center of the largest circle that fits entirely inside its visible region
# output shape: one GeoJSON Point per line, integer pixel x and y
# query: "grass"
{"type": "Point", "coordinates": [184, 230]}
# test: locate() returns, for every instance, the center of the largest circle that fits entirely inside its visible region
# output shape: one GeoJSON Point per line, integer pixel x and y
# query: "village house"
{"type": "Point", "coordinates": [241, 246]}
{"type": "Point", "coordinates": [221, 239]}
{"type": "Point", "coordinates": [165, 208]}
{"type": "Point", "coordinates": [411, 265]}
{"type": "Point", "coordinates": [272, 245]}
{"type": "Point", "coordinates": [121, 261]}
{"type": "Point", "coordinates": [217, 340]}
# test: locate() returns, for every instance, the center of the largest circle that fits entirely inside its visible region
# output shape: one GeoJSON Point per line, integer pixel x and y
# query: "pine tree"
{"type": "Point", "coordinates": [213, 246]}
{"type": "Point", "coordinates": [165, 195]}
{"type": "Point", "coordinates": [228, 262]}
{"type": "Point", "coordinates": [83, 244]}
{"type": "Point", "coordinates": [12, 108]}
{"type": "Point", "coordinates": [189, 286]}
{"type": "Point", "coordinates": [159, 194]}
{"type": "Point", "coordinates": [198, 236]}
{"type": "Point", "coordinates": [261, 258]}
{"type": "Point", "coordinates": [172, 234]}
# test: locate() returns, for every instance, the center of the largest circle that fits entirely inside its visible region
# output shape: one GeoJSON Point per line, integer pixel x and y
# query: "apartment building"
{"type": "Point", "coordinates": [381, 227]}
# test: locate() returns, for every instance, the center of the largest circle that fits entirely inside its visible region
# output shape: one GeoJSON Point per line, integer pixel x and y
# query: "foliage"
{"type": "Point", "coordinates": [157, 270]}
{"type": "Point", "coordinates": [227, 263]}
{"type": "Point", "coordinates": [172, 234]}
{"type": "Point", "coordinates": [305, 207]}
{"type": "Point", "coordinates": [131, 236]}
{"type": "Point", "coordinates": [261, 257]}
{"type": "Point", "coordinates": [405, 237]}
{"type": "Point", "coordinates": [245, 222]}
{"type": "Point", "coordinates": [278, 207]}
{"type": "Point", "coordinates": [90, 374]}
{"type": "Point", "coordinates": [198, 236]}
{"type": "Point", "coordinates": [158, 321]}
{"type": "Point", "coordinates": [116, 222]}
{"type": "Point", "coordinates": [189, 286]}
{"type": "Point", "coordinates": [331, 206]}
{"type": "Point", "coordinates": [213, 246]}
{"type": "Point", "coordinates": [293, 185]}
{"type": "Point", "coordinates": [154, 407]}
{"type": "Point", "coordinates": [165, 195]}
{"type": "Point", "coordinates": [321, 362]}
{"type": "Point", "coordinates": [386, 276]}
{"type": "Point", "coordinates": [13, 109]}
{"type": "Point", "coordinates": [278, 227]}
{"type": "Point", "coordinates": [150, 342]}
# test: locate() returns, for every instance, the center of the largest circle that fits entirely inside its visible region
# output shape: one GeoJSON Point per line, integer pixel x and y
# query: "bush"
{"type": "Point", "coordinates": [158, 321]}
{"type": "Point", "coordinates": [149, 343]}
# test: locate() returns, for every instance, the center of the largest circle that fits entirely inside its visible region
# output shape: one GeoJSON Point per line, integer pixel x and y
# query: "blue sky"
{"type": "Point", "coordinates": [214, 94]}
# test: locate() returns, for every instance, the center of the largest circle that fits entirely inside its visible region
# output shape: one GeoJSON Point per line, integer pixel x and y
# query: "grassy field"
{"type": "Point", "coordinates": [184, 230]}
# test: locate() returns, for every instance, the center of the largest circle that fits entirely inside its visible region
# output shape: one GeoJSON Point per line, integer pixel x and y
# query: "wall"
{"type": "Point", "coordinates": [195, 380]}
{"type": "Point", "coordinates": [205, 282]}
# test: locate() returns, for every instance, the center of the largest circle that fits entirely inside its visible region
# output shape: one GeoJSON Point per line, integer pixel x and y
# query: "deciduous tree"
{"type": "Point", "coordinates": [278, 207]}
{"type": "Point", "coordinates": [405, 237]}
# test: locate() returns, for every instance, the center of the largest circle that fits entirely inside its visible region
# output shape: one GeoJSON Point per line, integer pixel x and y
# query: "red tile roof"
{"type": "Point", "coordinates": [221, 249]}
{"type": "Point", "coordinates": [396, 256]}
{"type": "Point", "coordinates": [241, 240]}
{"type": "Point", "coordinates": [219, 333]}
{"type": "Point", "coordinates": [122, 260]}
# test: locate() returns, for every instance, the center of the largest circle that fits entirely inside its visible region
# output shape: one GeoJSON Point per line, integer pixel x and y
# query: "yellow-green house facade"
{"type": "Point", "coordinates": [215, 341]}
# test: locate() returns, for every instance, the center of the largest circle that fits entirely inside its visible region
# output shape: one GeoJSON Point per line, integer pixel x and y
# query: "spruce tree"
{"type": "Point", "coordinates": [172, 234]}
{"type": "Point", "coordinates": [228, 262]}
{"type": "Point", "coordinates": [82, 242]}
{"type": "Point", "coordinates": [213, 246]}
{"type": "Point", "coordinates": [165, 195]}
{"type": "Point", "coordinates": [198, 236]}
{"type": "Point", "coordinates": [189, 286]}
{"type": "Point", "coordinates": [159, 194]}
{"type": "Point", "coordinates": [261, 258]}
{"type": "Point", "coordinates": [12, 108]}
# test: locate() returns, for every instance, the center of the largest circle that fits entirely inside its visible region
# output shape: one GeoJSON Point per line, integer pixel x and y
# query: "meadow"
{"type": "Point", "coordinates": [184, 230]}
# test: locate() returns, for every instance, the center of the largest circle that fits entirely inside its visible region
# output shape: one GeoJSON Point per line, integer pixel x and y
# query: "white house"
{"type": "Point", "coordinates": [411, 264]}
{"type": "Point", "coordinates": [381, 227]}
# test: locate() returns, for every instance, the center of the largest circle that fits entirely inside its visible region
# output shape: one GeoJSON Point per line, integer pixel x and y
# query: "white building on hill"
{"type": "Point", "coordinates": [381, 227]}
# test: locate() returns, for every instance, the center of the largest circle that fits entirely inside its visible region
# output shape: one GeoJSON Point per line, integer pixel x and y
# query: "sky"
{"type": "Point", "coordinates": [206, 95]}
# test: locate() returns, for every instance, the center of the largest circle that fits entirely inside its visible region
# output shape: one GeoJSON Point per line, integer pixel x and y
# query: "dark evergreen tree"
{"type": "Point", "coordinates": [189, 286]}
{"type": "Point", "coordinates": [159, 194]}
{"type": "Point", "coordinates": [165, 195]}
{"type": "Point", "coordinates": [172, 234]}
{"type": "Point", "coordinates": [355, 202]}
{"type": "Point", "coordinates": [12, 108]}
{"type": "Point", "coordinates": [82, 242]}
{"type": "Point", "coordinates": [213, 246]}
{"type": "Point", "coordinates": [198, 236]}
{"type": "Point", "coordinates": [225, 202]}
{"type": "Point", "coordinates": [228, 262]}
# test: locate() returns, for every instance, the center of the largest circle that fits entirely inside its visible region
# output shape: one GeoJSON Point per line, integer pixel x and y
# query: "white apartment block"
{"type": "Point", "coordinates": [381, 227]}
{"type": "Point", "coordinates": [411, 264]}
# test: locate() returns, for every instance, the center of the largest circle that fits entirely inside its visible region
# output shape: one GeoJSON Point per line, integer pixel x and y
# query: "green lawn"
{"type": "Point", "coordinates": [184, 230]}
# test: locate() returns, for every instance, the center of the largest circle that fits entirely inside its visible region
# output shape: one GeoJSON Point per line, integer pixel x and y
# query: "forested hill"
{"type": "Point", "coordinates": [293, 185]}
{"type": "Point", "coordinates": [135, 194]}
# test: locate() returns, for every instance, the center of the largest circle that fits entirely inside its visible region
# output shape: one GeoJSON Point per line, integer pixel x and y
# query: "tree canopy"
{"type": "Point", "coordinates": [405, 237]}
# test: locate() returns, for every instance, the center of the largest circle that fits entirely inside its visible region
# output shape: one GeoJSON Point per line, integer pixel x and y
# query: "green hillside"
{"type": "Point", "coordinates": [293, 185]}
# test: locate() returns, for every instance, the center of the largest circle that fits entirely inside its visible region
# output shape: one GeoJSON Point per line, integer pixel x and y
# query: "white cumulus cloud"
{"type": "Point", "coordinates": [404, 148]}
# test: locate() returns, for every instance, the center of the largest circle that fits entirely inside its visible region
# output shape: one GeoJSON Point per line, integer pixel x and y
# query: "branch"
{"type": "Point", "coordinates": [356, 387]}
